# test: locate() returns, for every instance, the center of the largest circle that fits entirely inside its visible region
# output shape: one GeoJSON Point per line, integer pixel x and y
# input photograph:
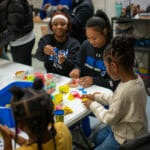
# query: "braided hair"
{"type": "Point", "coordinates": [34, 108]}
{"type": "Point", "coordinates": [99, 22]}
{"type": "Point", "coordinates": [121, 50]}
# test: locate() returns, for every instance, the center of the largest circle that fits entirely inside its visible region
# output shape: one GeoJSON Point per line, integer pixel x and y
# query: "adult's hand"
{"type": "Point", "coordinates": [46, 6]}
{"type": "Point", "coordinates": [86, 81]}
{"type": "Point", "coordinates": [74, 74]}
{"type": "Point", "coordinates": [49, 50]}
{"type": "Point", "coordinates": [60, 7]}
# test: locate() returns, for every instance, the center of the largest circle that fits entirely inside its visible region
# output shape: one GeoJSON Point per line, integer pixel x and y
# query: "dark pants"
{"type": "Point", "coordinates": [22, 53]}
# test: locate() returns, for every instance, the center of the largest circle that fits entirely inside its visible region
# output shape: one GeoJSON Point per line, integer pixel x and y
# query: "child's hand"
{"type": "Point", "coordinates": [46, 6]}
{"type": "Point", "coordinates": [87, 103]}
{"type": "Point", "coordinates": [61, 58]}
{"type": "Point", "coordinates": [48, 50]}
{"type": "Point", "coordinates": [86, 81]}
{"type": "Point", "coordinates": [89, 96]}
{"type": "Point", "coordinates": [74, 74]}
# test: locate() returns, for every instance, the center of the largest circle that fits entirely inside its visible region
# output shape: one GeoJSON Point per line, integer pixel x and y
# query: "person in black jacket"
{"type": "Point", "coordinates": [90, 65]}
{"type": "Point", "coordinates": [16, 28]}
{"type": "Point", "coordinates": [58, 50]}
{"type": "Point", "coordinates": [81, 11]}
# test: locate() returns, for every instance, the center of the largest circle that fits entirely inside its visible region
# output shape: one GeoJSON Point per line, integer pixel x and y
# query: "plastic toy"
{"type": "Point", "coordinates": [67, 110]}
{"type": "Point", "coordinates": [70, 97]}
{"type": "Point", "coordinates": [58, 98]}
{"type": "Point", "coordinates": [76, 94]}
{"type": "Point", "coordinates": [64, 89]}
{"type": "Point", "coordinates": [84, 99]}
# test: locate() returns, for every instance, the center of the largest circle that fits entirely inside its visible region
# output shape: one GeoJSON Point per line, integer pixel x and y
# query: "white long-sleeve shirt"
{"type": "Point", "coordinates": [127, 110]}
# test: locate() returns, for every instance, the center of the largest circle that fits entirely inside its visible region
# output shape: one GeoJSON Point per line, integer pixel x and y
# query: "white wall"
{"type": "Point", "coordinates": [107, 5]}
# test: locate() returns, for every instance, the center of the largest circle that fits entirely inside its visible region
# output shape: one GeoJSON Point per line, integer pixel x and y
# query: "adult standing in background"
{"type": "Point", "coordinates": [50, 6]}
{"type": "Point", "coordinates": [17, 29]}
{"type": "Point", "coordinates": [81, 11]}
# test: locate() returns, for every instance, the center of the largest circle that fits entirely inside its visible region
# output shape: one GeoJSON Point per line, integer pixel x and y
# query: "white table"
{"type": "Point", "coordinates": [8, 69]}
{"type": "Point", "coordinates": [7, 75]}
{"type": "Point", "coordinates": [79, 110]}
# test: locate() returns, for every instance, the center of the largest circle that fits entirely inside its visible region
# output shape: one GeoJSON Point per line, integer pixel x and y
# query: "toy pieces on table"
{"type": "Point", "coordinates": [70, 97]}
{"type": "Point", "coordinates": [64, 89]}
{"type": "Point", "coordinates": [29, 78]}
{"type": "Point", "coordinates": [73, 84]}
{"type": "Point", "coordinates": [75, 94]}
{"type": "Point", "coordinates": [67, 110]}
{"type": "Point", "coordinates": [59, 99]}
{"type": "Point", "coordinates": [84, 99]}
{"type": "Point", "coordinates": [20, 74]}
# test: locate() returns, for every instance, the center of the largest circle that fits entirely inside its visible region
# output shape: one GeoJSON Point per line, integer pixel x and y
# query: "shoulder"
{"type": "Point", "coordinates": [61, 128]}
{"type": "Point", "coordinates": [87, 3]}
{"type": "Point", "coordinates": [135, 89]}
{"type": "Point", "coordinates": [63, 136]}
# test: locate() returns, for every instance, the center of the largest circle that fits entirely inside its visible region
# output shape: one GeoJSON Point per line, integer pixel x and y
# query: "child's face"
{"type": "Point", "coordinates": [59, 27]}
{"type": "Point", "coordinates": [112, 70]}
{"type": "Point", "coordinates": [95, 38]}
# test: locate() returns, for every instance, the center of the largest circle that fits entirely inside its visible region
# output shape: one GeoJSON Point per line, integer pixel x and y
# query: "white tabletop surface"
{"type": "Point", "coordinates": [7, 75]}
{"type": "Point", "coordinates": [8, 69]}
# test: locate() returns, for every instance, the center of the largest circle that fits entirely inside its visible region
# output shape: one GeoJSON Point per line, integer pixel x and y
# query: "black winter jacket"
{"type": "Point", "coordinates": [16, 20]}
{"type": "Point", "coordinates": [79, 15]}
{"type": "Point", "coordinates": [71, 45]}
{"type": "Point", "coordinates": [90, 63]}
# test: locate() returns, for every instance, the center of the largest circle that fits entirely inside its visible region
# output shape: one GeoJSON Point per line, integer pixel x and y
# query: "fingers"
{"type": "Point", "coordinates": [75, 73]}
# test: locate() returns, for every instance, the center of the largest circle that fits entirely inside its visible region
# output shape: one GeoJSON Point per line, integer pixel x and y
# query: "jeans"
{"type": "Point", "coordinates": [105, 140]}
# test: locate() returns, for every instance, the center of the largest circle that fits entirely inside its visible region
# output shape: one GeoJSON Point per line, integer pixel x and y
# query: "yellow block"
{"type": "Point", "coordinates": [67, 110]}
{"type": "Point", "coordinates": [64, 89]}
{"type": "Point", "coordinates": [70, 97]}
{"type": "Point", "coordinates": [58, 98]}
{"type": "Point", "coordinates": [84, 99]}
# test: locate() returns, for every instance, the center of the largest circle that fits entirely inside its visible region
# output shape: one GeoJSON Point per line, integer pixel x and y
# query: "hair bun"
{"type": "Point", "coordinates": [124, 43]}
{"type": "Point", "coordinates": [38, 84]}
{"type": "Point", "coordinates": [16, 91]}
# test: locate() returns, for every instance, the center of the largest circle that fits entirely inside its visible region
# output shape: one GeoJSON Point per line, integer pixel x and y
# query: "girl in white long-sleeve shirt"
{"type": "Point", "coordinates": [126, 116]}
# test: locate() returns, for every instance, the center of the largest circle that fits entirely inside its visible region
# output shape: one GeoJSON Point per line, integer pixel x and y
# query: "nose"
{"type": "Point", "coordinates": [91, 41]}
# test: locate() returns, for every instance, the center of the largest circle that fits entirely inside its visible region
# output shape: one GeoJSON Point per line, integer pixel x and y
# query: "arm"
{"type": "Point", "coordinates": [103, 98]}
{"type": "Point", "coordinates": [109, 116]}
{"type": "Point", "coordinates": [42, 11]}
{"type": "Point", "coordinates": [15, 22]}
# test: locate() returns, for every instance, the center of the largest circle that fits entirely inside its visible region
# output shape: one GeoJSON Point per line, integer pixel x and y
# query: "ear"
{"type": "Point", "coordinates": [105, 31]}
{"type": "Point", "coordinates": [114, 67]}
